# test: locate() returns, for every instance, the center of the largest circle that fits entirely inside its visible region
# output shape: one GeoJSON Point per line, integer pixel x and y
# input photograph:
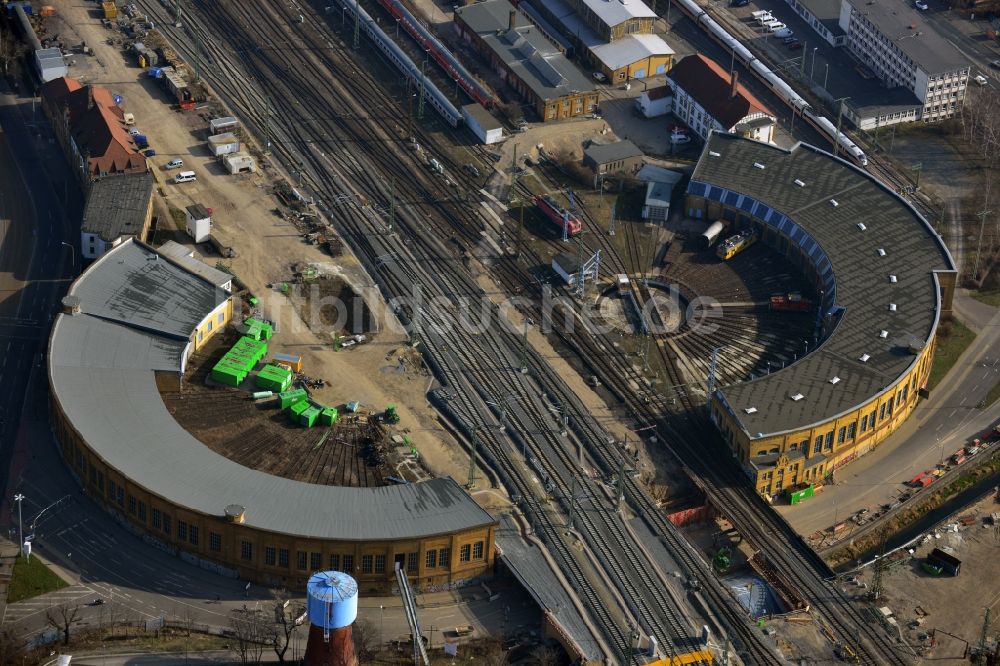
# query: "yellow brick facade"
{"type": "Point", "coordinates": [216, 321]}
{"type": "Point", "coordinates": [267, 558]}
{"type": "Point", "coordinates": [812, 454]}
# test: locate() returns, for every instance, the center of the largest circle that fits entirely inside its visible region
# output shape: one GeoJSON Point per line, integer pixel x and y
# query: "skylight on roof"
{"type": "Point", "coordinates": [881, 252]}
{"type": "Point", "coordinates": [712, 153]}
{"type": "Point", "coordinates": [883, 334]}
{"type": "Point", "coordinates": [834, 380]}
{"type": "Point", "coordinates": [796, 397]}
{"type": "Point", "coordinates": [892, 279]}
{"type": "Point", "coordinates": [861, 225]}
{"type": "Point", "coordinates": [758, 165]}
{"type": "Point", "coordinates": [864, 358]}
{"type": "Point", "coordinates": [892, 307]}
{"type": "Point", "coordinates": [799, 183]}
{"type": "Point", "coordinates": [833, 202]}
{"type": "Point", "coordinates": [750, 410]}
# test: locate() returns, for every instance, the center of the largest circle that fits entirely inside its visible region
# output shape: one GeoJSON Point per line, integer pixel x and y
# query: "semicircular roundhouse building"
{"type": "Point", "coordinates": [884, 279]}
{"type": "Point", "coordinates": [131, 323]}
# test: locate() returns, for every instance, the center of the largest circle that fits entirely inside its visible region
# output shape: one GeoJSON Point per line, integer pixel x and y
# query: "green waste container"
{"type": "Point", "coordinates": [328, 416]}
{"type": "Point", "coordinates": [308, 417]}
{"type": "Point", "coordinates": [289, 398]}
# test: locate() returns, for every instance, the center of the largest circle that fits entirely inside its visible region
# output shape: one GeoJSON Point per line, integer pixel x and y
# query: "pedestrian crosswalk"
{"type": "Point", "coordinates": [74, 595]}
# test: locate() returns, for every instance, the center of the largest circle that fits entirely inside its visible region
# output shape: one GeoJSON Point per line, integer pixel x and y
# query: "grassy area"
{"type": "Point", "coordinates": [31, 578]}
{"type": "Point", "coordinates": [992, 396]}
{"type": "Point", "coordinates": [178, 217]}
{"type": "Point", "coordinates": [990, 291]}
{"type": "Point", "coordinates": [953, 339]}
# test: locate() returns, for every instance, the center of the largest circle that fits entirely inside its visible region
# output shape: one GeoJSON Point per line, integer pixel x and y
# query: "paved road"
{"type": "Point", "coordinates": [937, 428]}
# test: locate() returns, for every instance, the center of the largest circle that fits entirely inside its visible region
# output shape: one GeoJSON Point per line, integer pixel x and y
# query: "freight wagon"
{"type": "Point", "coordinates": [560, 217]}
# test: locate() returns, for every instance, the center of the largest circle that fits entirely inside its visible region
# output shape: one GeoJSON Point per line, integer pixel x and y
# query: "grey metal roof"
{"type": "Point", "coordinates": [870, 101]}
{"type": "Point", "coordinates": [485, 119]}
{"type": "Point", "coordinates": [630, 49]}
{"type": "Point", "coordinates": [913, 252]}
{"type": "Point", "coordinates": [908, 30]}
{"type": "Point", "coordinates": [117, 206]}
{"type": "Point", "coordinates": [659, 194]}
{"type": "Point", "coordinates": [134, 286]}
{"type": "Point", "coordinates": [101, 372]}
{"type": "Point", "coordinates": [524, 50]}
{"type": "Point", "coordinates": [826, 12]}
{"type": "Point", "coordinates": [613, 12]}
{"type": "Point", "coordinates": [183, 256]}
{"type": "Point", "coordinates": [602, 153]}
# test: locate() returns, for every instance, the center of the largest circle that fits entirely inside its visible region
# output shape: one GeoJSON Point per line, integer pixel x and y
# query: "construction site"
{"type": "Point", "coordinates": [349, 447]}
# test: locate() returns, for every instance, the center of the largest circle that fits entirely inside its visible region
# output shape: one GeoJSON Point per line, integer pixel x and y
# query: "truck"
{"type": "Point", "coordinates": [110, 10]}
{"type": "Point", "coordinates": [926, 481]}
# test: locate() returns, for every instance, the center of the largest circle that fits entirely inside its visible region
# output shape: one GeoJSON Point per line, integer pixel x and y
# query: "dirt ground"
{"type": "Point", "coordinates": [921, 603]}
{"type": "Point", "coordinates": [267, 247]}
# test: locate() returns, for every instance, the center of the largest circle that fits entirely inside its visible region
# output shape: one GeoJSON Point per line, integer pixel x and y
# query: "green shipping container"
{"type": "Point", "coordinates": [227, 377]}
{"type": "Point", "coordinates": [328, 416]}
{"type": "Point", "coordinates": [295, 411]}
{"type": "Point", "coordinates": [308, 417]}
{"type": "Point", "coordinates": [799, 495]}
{"type": "Point", "coordinates": [289, 398]}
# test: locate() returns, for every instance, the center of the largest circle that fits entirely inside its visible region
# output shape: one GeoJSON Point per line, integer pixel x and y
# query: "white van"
{"type": "Point", "coordinates": [760, 12]}
{"type": "Point", "coordinates": [774, 26]}
{"type": "Point", "coordinates": [185, 177]}
{"type": "Point", "coordinates": [765, 18]}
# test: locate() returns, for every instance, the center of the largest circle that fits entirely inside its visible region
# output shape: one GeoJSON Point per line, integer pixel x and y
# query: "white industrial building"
{"type": "Point", "coordinates": [660, 184]}
{"type": "Point", "coordinates": [50, 64]}
{"type": "Point", "coordinates": [239, 163]}
{"type": "Point", "coordinates": [708, 98]}
{"type": "Point", "coordinates": [655, 101]}
{"type": "Point", "coordinates": [198, 222]}
{"type": "Point", "coordinates": [893, 40]}
{"type": "Point", "coordinates": [221, 125]}
{"type": "Point", "coordinates": [223, 144]}
{"type": "Point", "coordinates": [482, 123]}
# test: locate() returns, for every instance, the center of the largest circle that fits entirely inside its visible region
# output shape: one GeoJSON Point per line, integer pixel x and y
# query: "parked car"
{"type": "Point", "coordinates": [599, 77]}
{"type": "Point", "coordinates": [149, 152]}
{"type": "Point", "coordinates": [783, 32]}
{"type": "Point", "coordinates": [473, 170]}
{"type": "Point", "coordinates": [980, 80]}
{"type": "Point", "coordinates": [739, 3]}
{"type": "Point", "coordinates": [679, 138]}
{"type": "Point", "coordinates": [134, 131]}
{"type": "Point", "coordinates": [174, 164]}
{"type": "Point", "coordinates": [795, 45]}
{"type": "Point", "coordinates": [789, 40]}
{"type": "Point", "coordinates": [995, 64]}
{"type": "Point", "coordinates": [920, 4]}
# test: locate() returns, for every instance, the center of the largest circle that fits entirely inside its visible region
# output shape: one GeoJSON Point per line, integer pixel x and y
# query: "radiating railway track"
{"type": "Point", "coordinates": [351, 152]}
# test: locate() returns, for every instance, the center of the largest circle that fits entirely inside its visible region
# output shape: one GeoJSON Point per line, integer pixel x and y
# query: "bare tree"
{"type": "Point", "coordinates": [545, 655]}
{"type": "Point", "coordinates": [249, 630]}
{"type": "Point", "coordinates": [493, 653]}
{"type": "Point", "coordinates": [366, 643]}
{"type": "Point", "coordinates": [185, 617]}
{"type": "Point", "coordinates": [61, 618]}
{"type": "Point", "coordinates": [284, 627]}
{"type": "Point", "coordinates": [11, 49]}
{"type": "Point", "coordinates": [12, 648]}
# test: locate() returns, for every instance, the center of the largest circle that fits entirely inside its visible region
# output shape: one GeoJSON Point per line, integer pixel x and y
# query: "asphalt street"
{"type": "Point", "coordinates": [938, 427]}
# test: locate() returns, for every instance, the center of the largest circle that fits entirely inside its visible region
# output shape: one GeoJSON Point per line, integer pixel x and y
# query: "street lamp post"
{"type": "Point", "coordinates": [20, 526]}
{"type": "Point", "coordinates": [812, 69]}
{"type": "Point", "coordinates": [72, 254]}
{"type": "Point", "coordinates": [381, 625]}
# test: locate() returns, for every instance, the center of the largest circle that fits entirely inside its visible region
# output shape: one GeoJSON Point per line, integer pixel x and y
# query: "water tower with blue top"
{"type": "Point", "coordinates": [332, 603]}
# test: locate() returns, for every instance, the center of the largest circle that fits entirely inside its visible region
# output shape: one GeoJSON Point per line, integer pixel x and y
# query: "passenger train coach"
{"type": "Point", "coordinates": [778, 85]}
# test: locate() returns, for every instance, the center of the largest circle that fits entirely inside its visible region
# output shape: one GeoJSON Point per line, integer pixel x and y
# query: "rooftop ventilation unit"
{"type": "Point", "coordinates": [758, 165]}
{"type": "Point", "coordinates": [712, 153]}
{"type": "Point", "coordinates": [892, 307]}
{"type": "Point", "coordinates": [796, 397]}
{"type": "Point", "coordinates": [892, 279]}
{"type": "Point", "coordinates": [861, 225]}
{"type": "Point", "coordinates": [864, 358]}
{"type": "Point", "coordinates": [881, 252]}
{"type": "Point", "coordinates": [883, 334]}
{"type": "Point", "coordinates": [750, 410]}
{"type": "Point", "coordinates": [799, 183]}
{"type": "Point", "coordinates": [833, 202]}
{"type": "Point", "coordinates": [834, 380]}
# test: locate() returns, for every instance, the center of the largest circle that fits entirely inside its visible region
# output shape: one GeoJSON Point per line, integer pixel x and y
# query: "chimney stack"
{"type": "Point", "coordinates": [733, 83]}
{"type": "Point", "coordinates": [512, 19]}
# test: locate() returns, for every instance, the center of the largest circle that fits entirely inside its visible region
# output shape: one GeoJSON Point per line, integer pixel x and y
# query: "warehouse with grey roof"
{"type": "Point", "coordinates": [131, 324]}
{"type": "Point", "coordinates": [884, 279]}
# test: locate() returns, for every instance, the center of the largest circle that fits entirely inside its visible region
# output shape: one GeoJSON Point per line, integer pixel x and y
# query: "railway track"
{"type": "Point", "coordinates": [336, 165]}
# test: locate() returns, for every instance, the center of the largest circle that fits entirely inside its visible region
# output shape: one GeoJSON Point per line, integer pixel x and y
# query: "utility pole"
{"type": "Point", "coordinates": [621, 481]}
{"type": "Point", "coordinates": [712, 370]}
{"type": "Point", "coordinates": [982, 223]}
{"type": "Point", "coordinates": [840, 118]}
{"type": "Point", "coordinates": [392, 203]}
{"type": "Point", "coordinates": [524, 349]}
{"type": "Point", "coordinates": [423, 90]}
{"type": "Point", "coordinates": [20, 526]}
{"type": "Point", "coordinates": [357, 24]}
{"type": "Point", "coordinates": [513, 174]}
{"type": "Point", "coordinates": [802, 63]}
{"type": "Point", "coordinates": [878, 568]}
{"type": "Point", "coordinates": [267, 124]}
{"type": "Point", "coordinates": [981, 656]}
{"type": "Point", "coordinates": [611, 227]}
{"type": "Point", "coordinates": [472, 458]}
{"type": "Point", "coordinates": [572, 501]}
{"type": "Point", "coordinates": [918, 167]}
